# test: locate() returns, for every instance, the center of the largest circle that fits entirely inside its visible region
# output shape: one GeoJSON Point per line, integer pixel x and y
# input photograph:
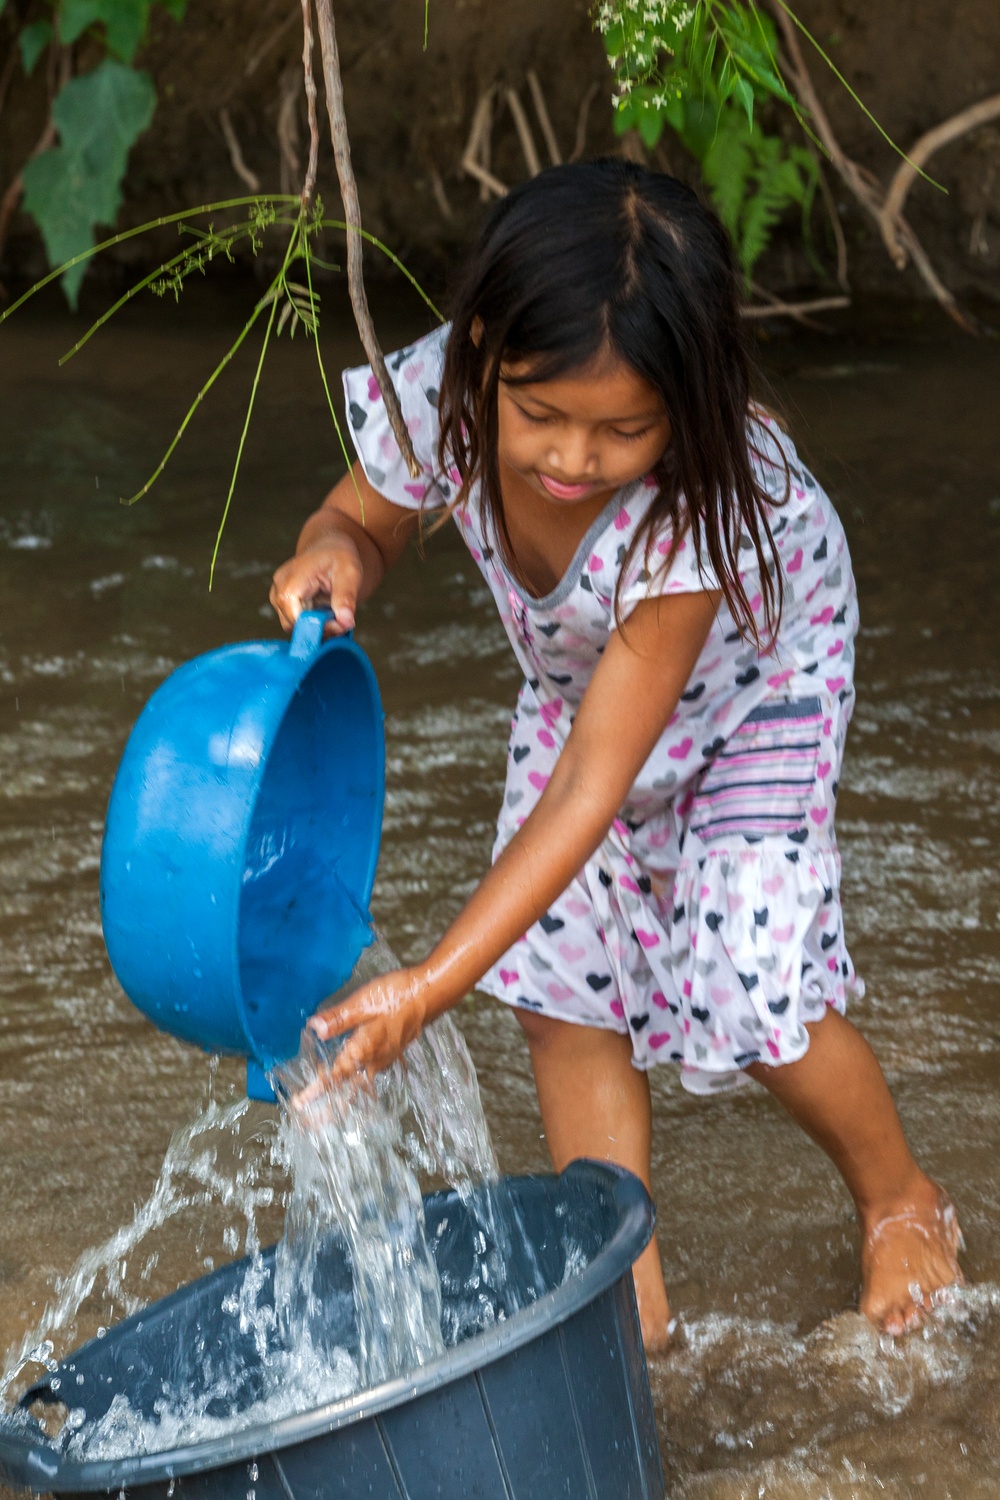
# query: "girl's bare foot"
{"type": "Point", "coordinates": [909, 1254]}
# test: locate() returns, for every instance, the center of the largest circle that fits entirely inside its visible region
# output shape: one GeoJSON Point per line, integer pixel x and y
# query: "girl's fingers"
{"type": "Point", "coordinates": [335, 1021]}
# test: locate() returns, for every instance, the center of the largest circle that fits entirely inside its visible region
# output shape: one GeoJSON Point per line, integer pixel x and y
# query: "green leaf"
{"type": "Point", "coordinates": [77, 185]}
{"type": "Point", "coordinates": [33, 41]}
{"type": "Point", "coordinates": [743, 93]}
{"type": "Point", "coordinates": [124, 23]}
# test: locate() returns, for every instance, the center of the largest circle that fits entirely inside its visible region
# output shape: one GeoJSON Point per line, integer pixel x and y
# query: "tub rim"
{"type": "Point", "coordinates": [40, 1466]}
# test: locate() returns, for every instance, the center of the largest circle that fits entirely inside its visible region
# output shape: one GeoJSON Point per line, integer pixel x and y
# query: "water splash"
{"type": "Point", "coordinates": [345, 1170]}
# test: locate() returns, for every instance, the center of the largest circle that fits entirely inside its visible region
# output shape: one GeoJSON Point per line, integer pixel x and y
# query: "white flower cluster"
{"type": "Point", "coordinates": [626, 13]}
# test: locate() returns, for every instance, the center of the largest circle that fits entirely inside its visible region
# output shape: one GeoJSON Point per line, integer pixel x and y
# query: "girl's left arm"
{"type": "Point", "coordinates": [633, 693]}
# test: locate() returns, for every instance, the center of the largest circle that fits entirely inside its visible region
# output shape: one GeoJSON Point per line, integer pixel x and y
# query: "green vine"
{"type": "Point", "coordinates": [291, 300]}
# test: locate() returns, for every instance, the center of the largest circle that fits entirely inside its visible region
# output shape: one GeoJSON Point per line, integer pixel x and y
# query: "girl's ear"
{"type": "Point", "coordinates": [476, 331]}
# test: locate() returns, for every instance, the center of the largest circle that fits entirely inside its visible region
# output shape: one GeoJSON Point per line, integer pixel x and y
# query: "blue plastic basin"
{"type": "Point", "coordinates": [241, 842]}
{"type": "Point", "coordinates": [551, 1401]}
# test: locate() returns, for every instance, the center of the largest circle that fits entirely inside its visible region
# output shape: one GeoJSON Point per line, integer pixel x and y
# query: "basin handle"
{"type": "Point", "coordinates": [307, 635]}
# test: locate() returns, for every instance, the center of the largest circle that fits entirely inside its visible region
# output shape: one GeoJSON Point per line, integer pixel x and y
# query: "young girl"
{"type": "Point", "coordinates": [678, 591]}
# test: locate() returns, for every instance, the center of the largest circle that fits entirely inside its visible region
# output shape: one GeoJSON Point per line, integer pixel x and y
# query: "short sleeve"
{"type": "Point", "coordinates": [664, 568]}
{"type": "Point", "coordinates": [668, 569]}
{"type": "Point", "coordinates": [416, 374]}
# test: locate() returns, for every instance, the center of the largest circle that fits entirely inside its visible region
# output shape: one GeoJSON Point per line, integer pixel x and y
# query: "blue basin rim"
{"type": "Point", "coordinates": [35, 1462]}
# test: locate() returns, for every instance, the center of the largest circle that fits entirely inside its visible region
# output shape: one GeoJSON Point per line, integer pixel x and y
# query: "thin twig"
{"type": "Point", "coordinates": [923, 149]}
{"type": "Point", "coordinates": [240, 167]}
{"type": "Point", "coordinates": [524, 135]}
{"type": "Point", "coordinates": [475, 158]}
{"type": "Point", "coordinates": [775, 308]}
{"type": "Point", "coordinates": [830, 204]}
{"type": "Point", "coordinates": [580, 143]}
{"type": "Point", "coordinates": [256, 58]}
{"type": "Point", "coordinates": [287, 128]}
{"type": "Point", "coordinates": [544, 122]}
{"type": "Point", "coordinates": [440, 196]}
{"type": "Point", "coordinates": [309, 83]}
{"type": "Point", "coordinates": [352, 215]}
{"type": "Point", "coordinates": [486, 179]}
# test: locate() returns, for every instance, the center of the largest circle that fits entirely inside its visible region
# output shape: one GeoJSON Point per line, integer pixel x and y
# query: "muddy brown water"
{"type": "Point", "coordinates": [774, 1387]}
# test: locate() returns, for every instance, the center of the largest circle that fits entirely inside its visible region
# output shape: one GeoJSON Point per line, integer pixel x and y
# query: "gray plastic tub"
{"type": "Point", "coordinates": [552, 1400]}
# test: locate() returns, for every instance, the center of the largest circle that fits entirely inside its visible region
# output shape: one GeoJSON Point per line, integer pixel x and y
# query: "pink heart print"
{"type": "Point", "coordinates": [560, 991]}
{"type": "Point", "coordinates": [571, 952]}
{"type": "Point", "coordinates": [374, 394]}
{"type": "Point", "coordinates": [412, 372]}
{"type": "Point", "coordinates": [509, 976]}
{"type": "Point", "coordinates": [683, 750]}
{"type": "Point", "coordinates": [796, 562]}
{"type": "Point", "coordinates": [550, 711]}
{"type": "Point", "coordinates": [622, 520]}
{"type": "Point", "coordinates": [538, 780]}
{"type": "Point", "coordinates": [647, 939]}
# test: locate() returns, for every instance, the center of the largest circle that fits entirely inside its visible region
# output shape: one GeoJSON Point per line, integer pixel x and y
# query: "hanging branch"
{"type": "Point", "coordinates": [352, 216]}
{"type": "Point", "coordinates": [309, 186]}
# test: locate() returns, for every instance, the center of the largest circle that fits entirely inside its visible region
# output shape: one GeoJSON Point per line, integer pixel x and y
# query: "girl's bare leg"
{"type": "Point", "coordinates": [594, 1103]}
{"type": "Point", "coordinates": [910, 1235]}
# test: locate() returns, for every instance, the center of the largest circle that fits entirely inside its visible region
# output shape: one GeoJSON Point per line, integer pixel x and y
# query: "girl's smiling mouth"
{"type": "Point", "coordinates": [560, 491]}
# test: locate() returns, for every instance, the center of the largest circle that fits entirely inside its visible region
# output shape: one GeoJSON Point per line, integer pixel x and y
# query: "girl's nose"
{"type": "Point", "coordinates": [573, 456]}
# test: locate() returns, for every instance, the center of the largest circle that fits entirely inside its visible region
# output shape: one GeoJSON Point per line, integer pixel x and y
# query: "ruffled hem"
{"type": "Point", "coordinates": [757, 952]}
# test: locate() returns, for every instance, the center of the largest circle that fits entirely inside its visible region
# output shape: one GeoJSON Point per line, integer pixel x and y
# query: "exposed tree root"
{"type": "Point", "coordinates": [884, 208]}
{"type": "Point", "coordinates": [240, 167]}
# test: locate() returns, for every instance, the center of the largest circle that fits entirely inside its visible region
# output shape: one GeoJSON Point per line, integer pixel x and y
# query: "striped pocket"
{"type": "Point", "coordinates": [761, 782]}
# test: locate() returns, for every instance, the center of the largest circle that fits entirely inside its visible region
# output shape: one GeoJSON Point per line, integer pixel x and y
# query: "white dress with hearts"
{"type": "Point", "coordinates": [708, 924]}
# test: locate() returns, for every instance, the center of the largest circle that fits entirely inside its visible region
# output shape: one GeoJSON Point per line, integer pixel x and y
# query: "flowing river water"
{"type": "Point", "coordinates": [773, 1388]}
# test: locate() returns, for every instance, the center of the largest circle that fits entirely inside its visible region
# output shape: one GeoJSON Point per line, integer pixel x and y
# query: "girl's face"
{"type": "Point", "coordinates": [582, 435]}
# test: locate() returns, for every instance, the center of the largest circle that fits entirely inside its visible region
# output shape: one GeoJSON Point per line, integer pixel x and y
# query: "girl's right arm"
{"type": "Point", "coordinates": [344, 551]}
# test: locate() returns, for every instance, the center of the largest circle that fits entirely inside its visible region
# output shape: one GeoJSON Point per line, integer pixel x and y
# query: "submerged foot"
{"type": "Point", "coordinates": [909, 1255]}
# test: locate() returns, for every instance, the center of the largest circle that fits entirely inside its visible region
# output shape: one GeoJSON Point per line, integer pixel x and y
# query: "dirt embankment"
{"type": "Point", "coordinates": [914, 62]}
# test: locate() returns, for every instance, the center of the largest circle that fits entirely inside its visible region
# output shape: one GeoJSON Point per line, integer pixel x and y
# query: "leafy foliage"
{"type": "Point", "coordinates": [33, 41]}
{"type": "Point", "coordinates": [703, 68]}
{"type": "Point", "coordinates": [76, 185]}
{"type": "Point", "coordinates": [122, 23]}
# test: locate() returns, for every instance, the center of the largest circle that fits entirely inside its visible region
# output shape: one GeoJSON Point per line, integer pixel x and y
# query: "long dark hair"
{"type": "Point", "coordinates": [608, 255]}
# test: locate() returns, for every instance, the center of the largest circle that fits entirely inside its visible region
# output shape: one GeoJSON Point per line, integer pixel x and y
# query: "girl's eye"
{"type": "Point", "coordinates": [534, 417]}
{"type": "Point", "coordinates": [630, 437]}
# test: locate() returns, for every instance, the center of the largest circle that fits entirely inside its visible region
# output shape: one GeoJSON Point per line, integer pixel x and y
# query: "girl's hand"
{"type": "Point", "coordinates": [343, 553]}
{"type": "Point", "coordinates": [385, 1015]}
{"type": "Point", "coordinates": [331, 572]}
